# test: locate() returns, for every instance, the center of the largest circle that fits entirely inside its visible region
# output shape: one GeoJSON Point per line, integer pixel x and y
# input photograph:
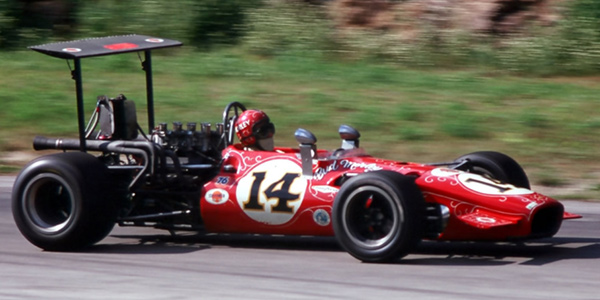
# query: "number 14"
{"type": "Point", "coordinates": [283, 194]}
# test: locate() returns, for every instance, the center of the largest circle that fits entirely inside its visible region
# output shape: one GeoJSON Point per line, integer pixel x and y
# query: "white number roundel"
{"type": "Point", "coordinates": [480, 184]}
{"type": "Point", "coordinates": [484, 185]}
{"type": "Point", "coordinates": [272, 192]}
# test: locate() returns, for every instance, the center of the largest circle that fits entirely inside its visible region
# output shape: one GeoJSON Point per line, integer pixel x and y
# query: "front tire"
{"type": "Point", "coordinates": [496, 165]}
{"type": "Point", "coordinates": [62, 202]}
{"type": "Point", "coordinates": [379, 216]}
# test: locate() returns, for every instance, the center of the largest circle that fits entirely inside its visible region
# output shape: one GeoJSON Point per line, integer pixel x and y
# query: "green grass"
{"type": "Point", "coordinates": [403, 114]}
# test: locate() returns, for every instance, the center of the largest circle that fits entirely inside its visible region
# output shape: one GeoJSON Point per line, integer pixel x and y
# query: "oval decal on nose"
{"type": "Point", "coordinates": [216, 196]}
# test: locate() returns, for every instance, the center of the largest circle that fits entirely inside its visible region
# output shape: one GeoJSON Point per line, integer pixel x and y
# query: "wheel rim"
{"type": "Point", "coordinates": [371, 217]}
{"type": "Point", "coordinates": [48, 203]}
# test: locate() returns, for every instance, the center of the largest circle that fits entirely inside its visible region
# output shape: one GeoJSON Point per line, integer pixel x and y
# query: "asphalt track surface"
{"type": "Point", "coordinates": [139, 263]}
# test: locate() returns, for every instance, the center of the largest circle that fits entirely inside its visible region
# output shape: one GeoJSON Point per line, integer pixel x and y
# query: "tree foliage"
{"type": "Point", "coordinates": [280, 27]}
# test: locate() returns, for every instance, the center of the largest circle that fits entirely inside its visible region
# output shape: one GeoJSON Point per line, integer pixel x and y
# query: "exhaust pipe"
{"type": "Point", "coordinates": [140, 148]}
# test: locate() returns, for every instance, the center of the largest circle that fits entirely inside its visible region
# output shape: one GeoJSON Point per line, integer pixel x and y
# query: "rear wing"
{"type": "Point", "coordinates": [102, 46]}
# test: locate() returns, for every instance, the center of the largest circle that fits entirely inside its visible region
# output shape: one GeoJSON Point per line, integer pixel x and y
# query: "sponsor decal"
{"type": "Point", "coordinates": [351, 165]}
{"type": "Point", "coordinates": [272, 191]}
{"type": "Point", "coordinates": [531, 205]}
{"type": "Point", "coordinates": [321, 217]}
{"type": "Point", "coordinates": [216, 196]}
{"type": "Point", "coordinates": [71, 50]}
{"type": "Point", "coordinates": [154, 40]}
{"type": "Point", "coordinates": [121, 46]}
{"type": "Point", "coordinates": [222, 180]}
{"type": "Point", "coordinates": [321, 172]}
{"type": "Point", "coordinates": [325, 189]}
{"type": "Point", "coordinates": [487, 220]}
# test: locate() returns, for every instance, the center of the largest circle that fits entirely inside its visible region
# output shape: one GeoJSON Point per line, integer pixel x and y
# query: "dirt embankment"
{"type": "Point", "coordinates": [485, 16]}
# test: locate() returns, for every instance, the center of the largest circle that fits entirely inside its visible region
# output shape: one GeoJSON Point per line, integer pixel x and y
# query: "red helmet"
{"type": "Point", "coordinates": [253, 125]}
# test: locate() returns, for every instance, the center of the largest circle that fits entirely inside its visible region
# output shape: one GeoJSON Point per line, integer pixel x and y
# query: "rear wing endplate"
{"type": "Point", "coordinates": [107, 46]}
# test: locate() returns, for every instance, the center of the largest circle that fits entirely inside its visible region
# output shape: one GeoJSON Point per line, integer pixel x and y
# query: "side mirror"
{"type": "Point", "coordinates": [349, 137]}
{"type": "Point", "coordinates": [308, 149]}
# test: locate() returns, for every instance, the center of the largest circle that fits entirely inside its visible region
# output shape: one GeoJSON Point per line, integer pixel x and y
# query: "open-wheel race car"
{"type": "Point", "coordinates": [199, 178]}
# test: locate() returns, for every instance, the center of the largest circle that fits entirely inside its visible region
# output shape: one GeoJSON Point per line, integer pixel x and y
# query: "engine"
{"type": "Point", "coordinates": [198, 146]}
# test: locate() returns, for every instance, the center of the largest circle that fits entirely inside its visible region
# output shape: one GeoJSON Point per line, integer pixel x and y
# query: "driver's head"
{"type": "Point", "coordinates": [255, 130]}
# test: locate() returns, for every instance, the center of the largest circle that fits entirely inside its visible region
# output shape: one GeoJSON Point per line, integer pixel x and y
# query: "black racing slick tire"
{"type": "Point", "coordinates": [62, 202]}
{"type": "Point", "coordinates": [496, 165]}
{"type": "Point", "coordinates": [379, 216]}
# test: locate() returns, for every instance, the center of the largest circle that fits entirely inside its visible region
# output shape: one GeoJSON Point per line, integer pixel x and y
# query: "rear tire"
{"type": "Point", "coordinates": [62, 202]}
{"type": "Point", "coordinates": [497, 166]}
{"type": "Point", "coordinates": [379, 216]}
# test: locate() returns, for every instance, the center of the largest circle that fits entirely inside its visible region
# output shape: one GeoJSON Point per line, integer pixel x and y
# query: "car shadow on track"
{"type": "Point", "coordinates": [151, 244]}
{"type": "Point", "coordinates": [183, 243]}
{"type": "Point", "coordinates": [534, 253]}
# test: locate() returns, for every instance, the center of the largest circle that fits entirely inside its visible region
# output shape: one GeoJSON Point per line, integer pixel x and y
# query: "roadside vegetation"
{"type": "Point", "coordinates": [536, 99]}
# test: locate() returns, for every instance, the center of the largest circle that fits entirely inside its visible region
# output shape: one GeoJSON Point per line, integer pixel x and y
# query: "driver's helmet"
{"type": "Point", "coordinates": [254, 129]}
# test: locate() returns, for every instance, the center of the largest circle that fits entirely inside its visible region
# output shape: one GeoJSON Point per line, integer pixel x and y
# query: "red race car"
{"type": "Point", "coordinates": [201, 179]}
